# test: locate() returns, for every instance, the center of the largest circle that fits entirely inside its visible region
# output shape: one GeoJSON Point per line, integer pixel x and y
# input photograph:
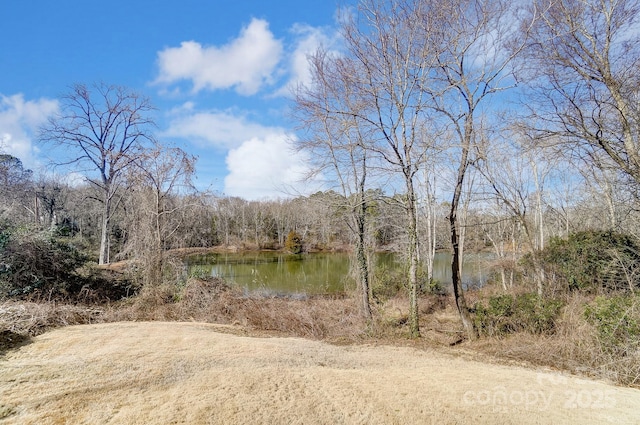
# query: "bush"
{"type": "Point", "coordinates": [617, 322]}
{"type": "Point", "coordinates": [432, 286]}
{"type": "Point", "coordinates": [293, 243]}
{"type": "Point", "coordinates": [387, 282]}
{"type": "Point", "coordinates": [524, 312]}
{"type": "Point", "coordinates": [36, 264]}
{"type": "Point", "coordinates": [591, 261]}
{"type": "Point", "coordinates": [5, 236]}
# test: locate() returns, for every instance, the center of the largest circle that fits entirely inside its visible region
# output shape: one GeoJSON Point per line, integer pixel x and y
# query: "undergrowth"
{"type": "Point", "coordinates": [589, 335]}
{"type": "Point", "coordinates": [506, 313]}
{"type": "Point", "coordinates": [593, 336]}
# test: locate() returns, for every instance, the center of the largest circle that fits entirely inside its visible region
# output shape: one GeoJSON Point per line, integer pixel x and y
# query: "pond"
{"type": "Point", "coordinates": [276, 273]}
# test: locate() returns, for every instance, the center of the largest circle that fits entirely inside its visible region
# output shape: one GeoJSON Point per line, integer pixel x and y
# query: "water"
{"type": "Point", "coordinates": [310, 274]}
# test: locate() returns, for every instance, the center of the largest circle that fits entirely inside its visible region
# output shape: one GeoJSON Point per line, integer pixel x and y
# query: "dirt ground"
{"type": "Point", "coordinates": [192, 373]}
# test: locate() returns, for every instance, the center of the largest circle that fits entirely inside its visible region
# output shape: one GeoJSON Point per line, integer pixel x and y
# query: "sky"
{"type": "Point", "coordinates": [218, 72]}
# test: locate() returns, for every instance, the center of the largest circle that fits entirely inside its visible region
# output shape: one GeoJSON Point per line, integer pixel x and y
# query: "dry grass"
{"type": "Point", "coordinates": [573, 348]}
{"type": "Point", "coordinates": [191, 373]}
{"type": "Point", "coordinates": [214, 302]}
{"type": "Point", "coordinates": [19, 321]}
{"type": "Point", "coordinates": [335, 319]}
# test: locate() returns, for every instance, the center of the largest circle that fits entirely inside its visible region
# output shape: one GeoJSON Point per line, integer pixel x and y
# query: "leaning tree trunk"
{"type": "Point", "coordinates": [456, 278]}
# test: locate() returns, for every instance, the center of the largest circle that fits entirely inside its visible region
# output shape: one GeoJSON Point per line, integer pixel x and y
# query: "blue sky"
{"type": "Point", "coordinates": [218, 72]}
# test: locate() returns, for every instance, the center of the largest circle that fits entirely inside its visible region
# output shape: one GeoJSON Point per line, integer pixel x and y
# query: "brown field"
{"type": "Point", "coordinates": [195, 373]}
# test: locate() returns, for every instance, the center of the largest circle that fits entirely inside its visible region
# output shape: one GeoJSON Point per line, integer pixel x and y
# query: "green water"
{"type": "Point", "coordinates": [318, 273]}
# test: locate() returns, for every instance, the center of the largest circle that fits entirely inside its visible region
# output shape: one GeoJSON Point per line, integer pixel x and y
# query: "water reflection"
{"type": "Point", "coordinates": [318, 273]}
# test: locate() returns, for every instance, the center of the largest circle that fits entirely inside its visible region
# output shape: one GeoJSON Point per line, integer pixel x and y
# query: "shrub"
{"type": "Point", "coordinates": [5, 236]}
{"type": "Point", "coordinates": [37, 264]}
{"type": "Point", "coordinates": [591, 261]}
{"type": "Point", "coordinates": [617, 323]}
{"type": "Point", "coordinates": [524, 312]}
{"type": "Point", "coordinates": [387, 282]}
{"type": "Point", "coordinates": [432, 286]}
{"type": "Point", "coordinates": [293, 243]}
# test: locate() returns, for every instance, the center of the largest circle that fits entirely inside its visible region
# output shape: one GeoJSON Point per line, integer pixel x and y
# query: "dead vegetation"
{"type": "Point", "coordinates": [19, 321]}
{"type": "Point", "coordinates": [573, 346]}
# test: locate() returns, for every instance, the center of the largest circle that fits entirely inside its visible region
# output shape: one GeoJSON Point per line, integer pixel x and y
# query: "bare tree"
{"type": "Point", "coordinates": [50, 200]}
{"type": "Point", "coordinates": [337, 144]}
{"type": "Point", "coordinates": [475, 45]}
{"type": "Point", "coordinates": [501, 229]}
{"type": "Point", "coordinates": [102, 129]}
{"type": "Point", "coordinates": [16, 189]}
{"type": "Point", "coordinates": [161, 181]}
{"type": "Point", "coordinates": [583, 58]}
{"type": "Point", "coordinates": [429, 218]}
{"type": "Point", "coordinates": [612, 190]}
{"type": "Point", "coordinates": [515, 174]}
{"type": "Point", "coordinates": [415, 70]}
{"type": "Point", "coordinates": [392, 62]}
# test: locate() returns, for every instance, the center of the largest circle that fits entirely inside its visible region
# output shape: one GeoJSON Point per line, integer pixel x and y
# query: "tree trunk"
{"type": "Point", "coordinates": [458, 292]}
{"type": "Point", "coordinates": [413, 262]}
{"type": "Point", "coordinates": [456, 278]}
{"type": "Point", "coordinates": [414, 325]}
{"type": "Point", "coordinates": [431, 226]}
{"type": "Point", "coordinates": [363, 271]}
{"type": "Point", "coordinates": [158, 251]}
{"type": "Point", "coordinates": [104, 232]}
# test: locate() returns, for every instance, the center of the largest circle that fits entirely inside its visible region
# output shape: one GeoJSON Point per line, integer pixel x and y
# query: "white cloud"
{"type": "Point", "coordinates": [308, 40]}
{"type": "Point", "coordinates": [267, 167]}
{"type": "Point", "coordinates": [224, 130]}
{"type": "Point", "coordinates": [261, 162]}
{"type": "Point", "coordinates": [246, 63]}
{"type": "Point", "coordinates": [19, 122]}
{"type": "Point", "coordinates": [74, 179]}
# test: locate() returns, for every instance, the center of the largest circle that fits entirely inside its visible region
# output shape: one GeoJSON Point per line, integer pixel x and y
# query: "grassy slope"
{"type": "Point", "coordinates": [157, 372]}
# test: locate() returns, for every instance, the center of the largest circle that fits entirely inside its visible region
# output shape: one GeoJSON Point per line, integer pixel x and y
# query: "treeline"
{"type": "Point", "coordinates": [196, 219]}
{"type": "Point", "coordinates": [200, 219]}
